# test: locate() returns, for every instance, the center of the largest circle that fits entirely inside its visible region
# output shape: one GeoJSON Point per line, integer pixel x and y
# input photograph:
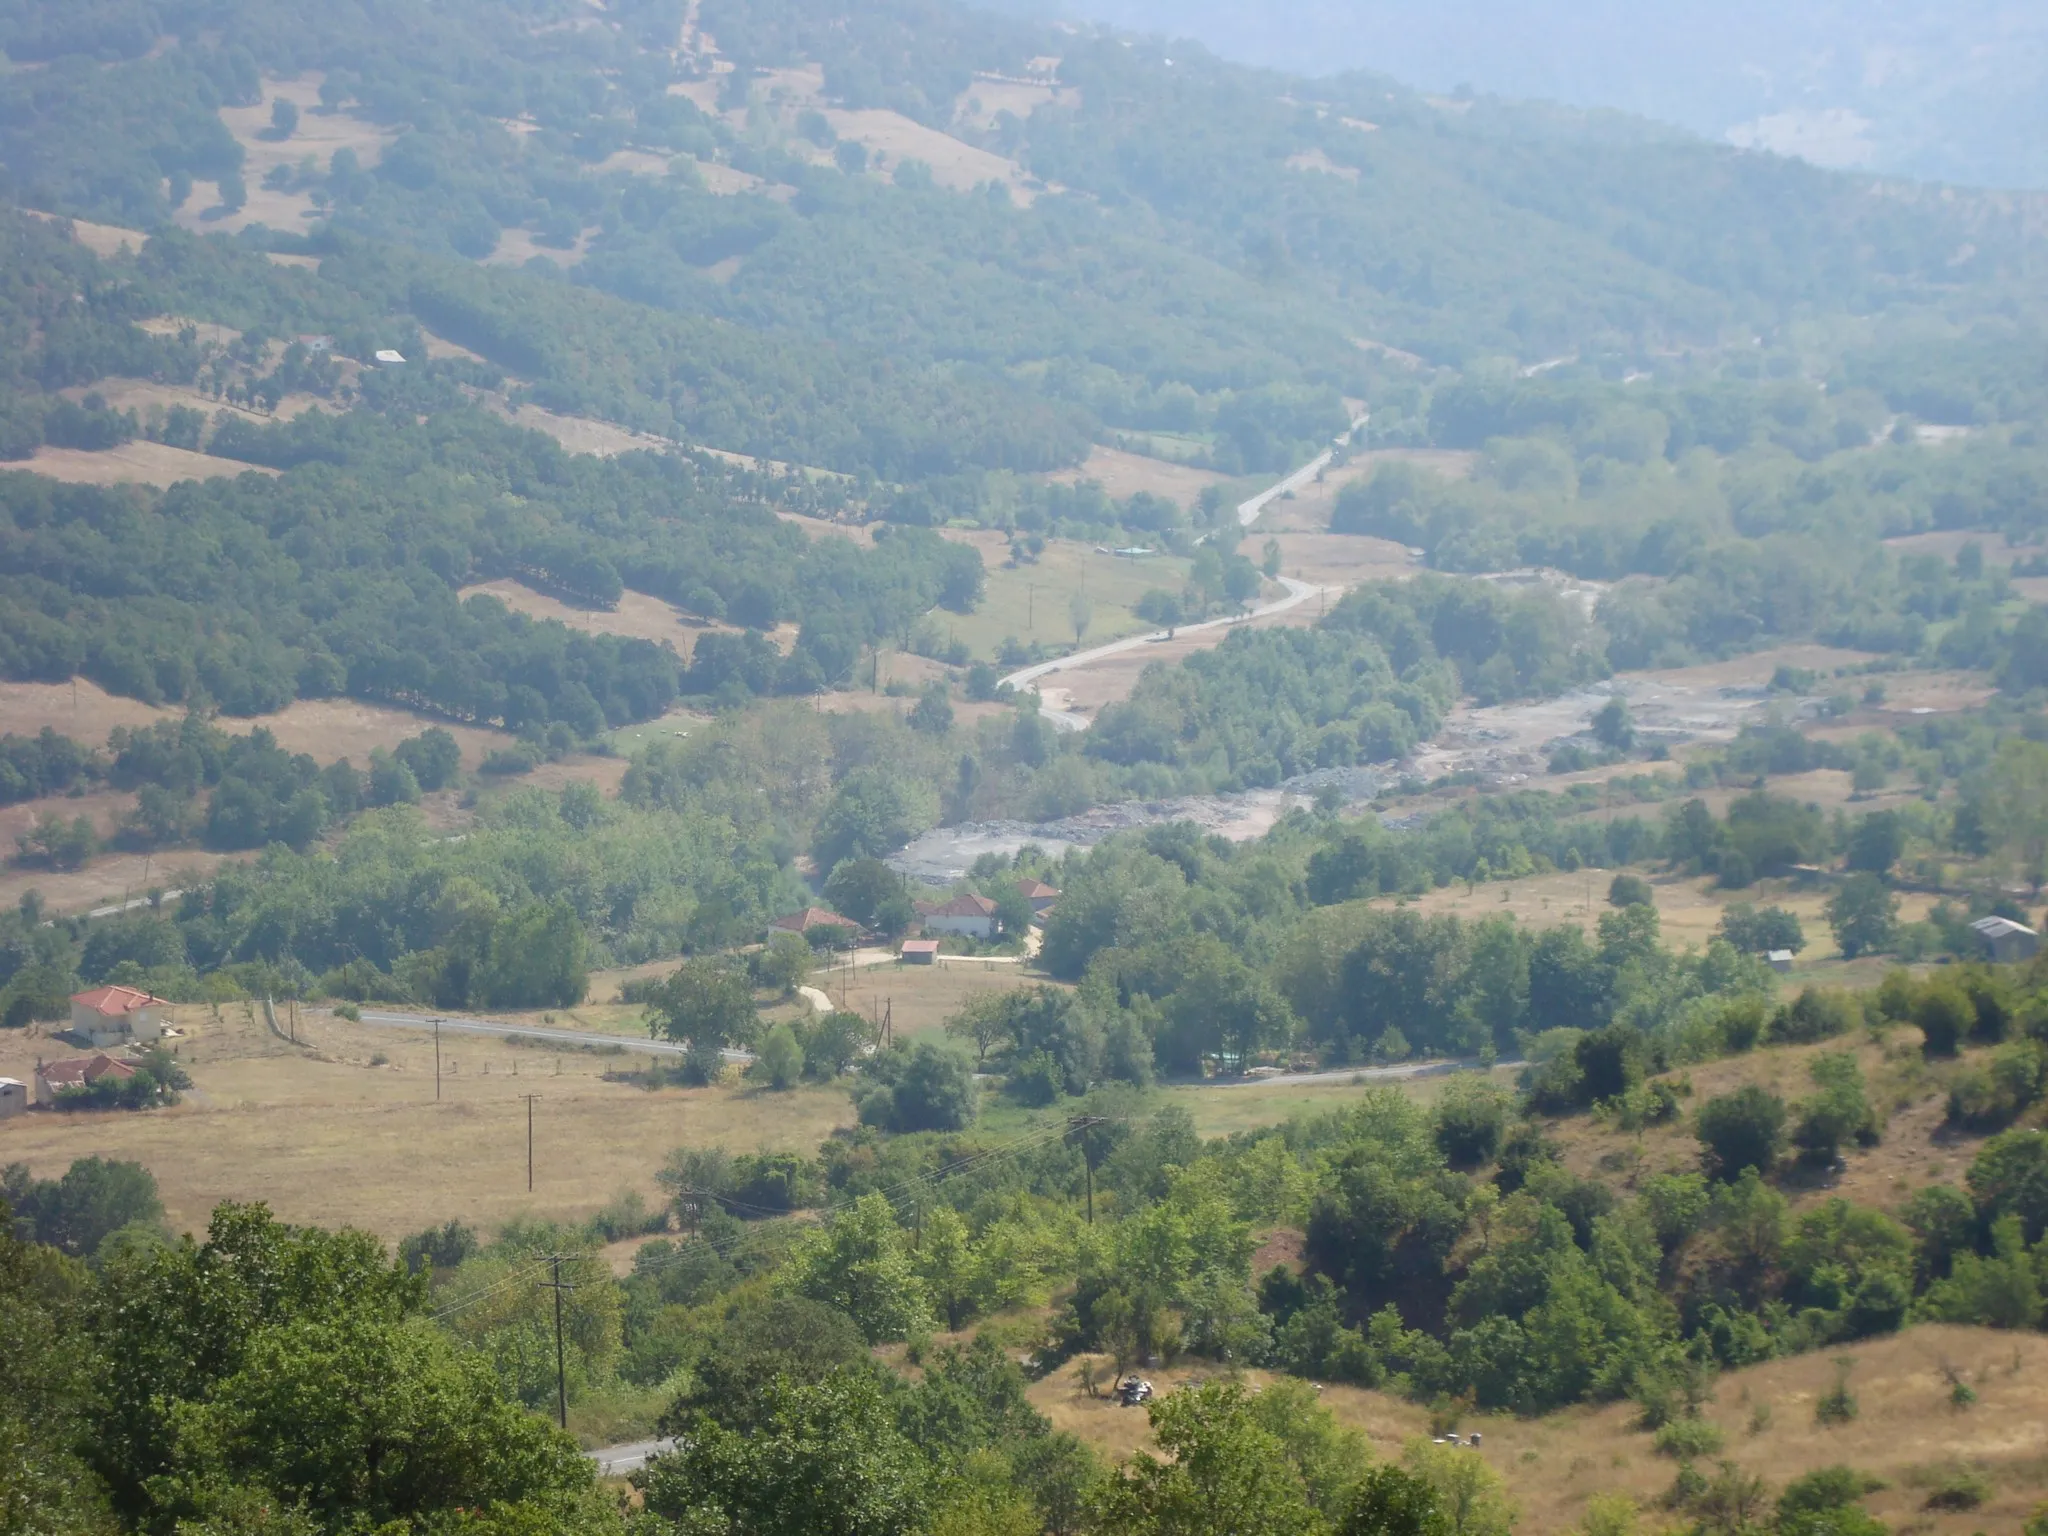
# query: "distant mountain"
{"type": "Point", "coordinates": [1946, 90]}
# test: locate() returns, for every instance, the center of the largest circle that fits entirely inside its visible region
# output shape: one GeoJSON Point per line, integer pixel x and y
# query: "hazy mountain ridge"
{"type": "Point", "coordinates": [1941, 92]}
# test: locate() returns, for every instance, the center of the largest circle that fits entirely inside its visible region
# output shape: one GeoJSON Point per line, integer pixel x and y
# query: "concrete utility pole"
{"type": "Point", "coordinates": [529, 1097]}
{"type": "Point", "coordinates": [437, 1061]}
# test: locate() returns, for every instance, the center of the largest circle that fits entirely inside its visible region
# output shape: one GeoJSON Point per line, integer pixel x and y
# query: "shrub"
{"type": "Point", "coordinates": [778, 1060]}
{"type": "Point", "coordinates": [1685, 1439]}
{"type": "Point", "coordinates": [1471, 1122]}
{"type": "Point", "coordinates": [1945, 1015]}
{"type": "Point", "coordinates": [1958, 1485]}
{"type": "Point", "coordinates": [1743, 1129]}
{"type": "Point", "coordinates": [1838, 1404]}
{"type": "Point", "coordinates": [1629, 891]}
{"type": "Point", "coordinates": [1816, 1015]}
{"type": "Point", "coordinates": [1989, 1096]}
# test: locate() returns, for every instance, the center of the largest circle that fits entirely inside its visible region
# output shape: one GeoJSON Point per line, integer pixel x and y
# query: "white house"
{"type": "Point", "coordinates": [13, 1097]}
{"type": "Point", "coordinates": [117, 1016]}
{"type": "Point", "coordinates": [968, 915]}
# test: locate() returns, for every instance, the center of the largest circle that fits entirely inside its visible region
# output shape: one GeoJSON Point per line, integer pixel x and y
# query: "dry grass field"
{"type": "Point", "coordinates": [637, 617]}
{"type": "Point", "coordinates": [1689, 907]}
{"type": "Point", "coordinates": [1223, 1109]}
{"type": "Point", "coordinates": [1122, 475]}
{"type": "Point", "coordinates": [1030, 602]}
{"type": "Point", "coordinates": [1904, 1433]}
{"type": "Point", "coordinates": [135, 463]}
{"type": "Point", "coordinates": [516, 247]}
{"type": "Point", "coordinates": [317, 138]}
{"type": "Point", "coordinates": [578, 434]}
{"type": "Point", "coordinates": [324, 1132]}
{"type": "Point", "coordinates": [979, 105]}
{"type": "Point", "coordinates": [100, 239]}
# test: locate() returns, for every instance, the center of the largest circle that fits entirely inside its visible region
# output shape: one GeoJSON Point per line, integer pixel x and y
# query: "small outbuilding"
{"type": "Point", "coordinates": [1780, 960]}
{"type": "Point", "coordinates": [386, 358]}
{"type": "Point", "coordinates": [13, 1097]}
{"type": "Point", "coordinates": [112, 1016]}
{"type": "Point", "coordinates": [919, 952]}
{"type": "Point", "coordinates": [2005, 941]}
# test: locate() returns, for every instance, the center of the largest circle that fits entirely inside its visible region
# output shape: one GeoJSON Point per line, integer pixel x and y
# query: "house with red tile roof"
{"type": "Point", "coordinates": [118, 1016]}
{"type": "Point", "coordinates": [1039, 894]}
{"type": "Point", "coordinates": [968, 915]}
{"type": "Point", "coordinates": [810, 918]}
{"type": "Point", "coordinates": [53, 1077]}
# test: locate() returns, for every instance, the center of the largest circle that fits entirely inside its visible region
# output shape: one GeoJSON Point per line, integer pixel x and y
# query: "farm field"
{"type": "Point", "coordinates": [1689, 908]}
{"type": "Point", "coordinates": [139, 462]}
{"type": "Point", "coordinates": [1905, 1433]}
{"type": "Point", "coordinates": [1030, 602]}
{"type": "Point", "coordinates": [327, 1133]}
{"type": "Point", "coordinates": [1122, 475]}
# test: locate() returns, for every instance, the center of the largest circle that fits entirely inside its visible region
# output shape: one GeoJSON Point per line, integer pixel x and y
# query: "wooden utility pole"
{"type": "Point", "coordinates": [437, 1061]}
{"type": "Point", "coordinates": [529, 1097]}
{"type": "Point", "coordinates": [561, 1365]}
{"type": "Point", "coordinates": [1085, 1123]}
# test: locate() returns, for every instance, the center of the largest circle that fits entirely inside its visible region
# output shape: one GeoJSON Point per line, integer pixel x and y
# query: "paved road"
{"type": "Point", "coordinates": [1298, 592]}
{"type": "Point", "coordinates": [1406, 1071]}
{"type": "Point", "coordinates": [642, 1043]}
{"type": "Point", "coordinates": [618, 1460]}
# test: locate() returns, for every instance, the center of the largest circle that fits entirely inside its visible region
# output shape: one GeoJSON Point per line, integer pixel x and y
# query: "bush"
{"type": "Point", "coordinates": [1471, 1122]}
{"type": "Point", "coordinates": [1816, 1015]}
{"type": "Point", "coordinates": [921, 1087]}
{"type": "Point", "coordinates": [1685, 1439]}
{"type": "Point", "coordinates": [778, 1060]}
{"type": "Point", "coordinates": [1838, 1113]}
{"type": "Point", "coordinates": [1629, 891]}
{"type": "Point", "coordinates": [1955, 1486]}
{"type": "Point", "coordinates": [1838, 1404]}
{"type": "Point", "coordinates": [1989, 1096]}
{"type": "Point", "coordinates": [1945, 1015]}
{"type": "Point", "coordinates": [1743, 1129]}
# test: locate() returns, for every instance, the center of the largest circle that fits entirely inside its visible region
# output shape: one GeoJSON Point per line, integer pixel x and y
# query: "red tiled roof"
{"type": "Point", "coordinates": [1035, 890]}
{"type": "Point", "coordinates": [812, 917]}
{"type": "Point", "coordinates": [77, 1071]}
{"type": "Point", "coordinates": [965, 905]}
{"type": "Point", "coordinates": [116, 1002]}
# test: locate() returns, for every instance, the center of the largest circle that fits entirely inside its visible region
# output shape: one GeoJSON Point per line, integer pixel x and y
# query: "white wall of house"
{"type": "Point", "coordinates": [964, 927]}
{"type": "Point", "coordinates": [143, 1024]}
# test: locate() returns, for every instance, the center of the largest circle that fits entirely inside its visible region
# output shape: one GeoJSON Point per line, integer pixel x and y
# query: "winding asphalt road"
{"type": "Point", "coordinates": [1298, 592]}
{"type": "Point", "coordinates": [645, 1044]}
